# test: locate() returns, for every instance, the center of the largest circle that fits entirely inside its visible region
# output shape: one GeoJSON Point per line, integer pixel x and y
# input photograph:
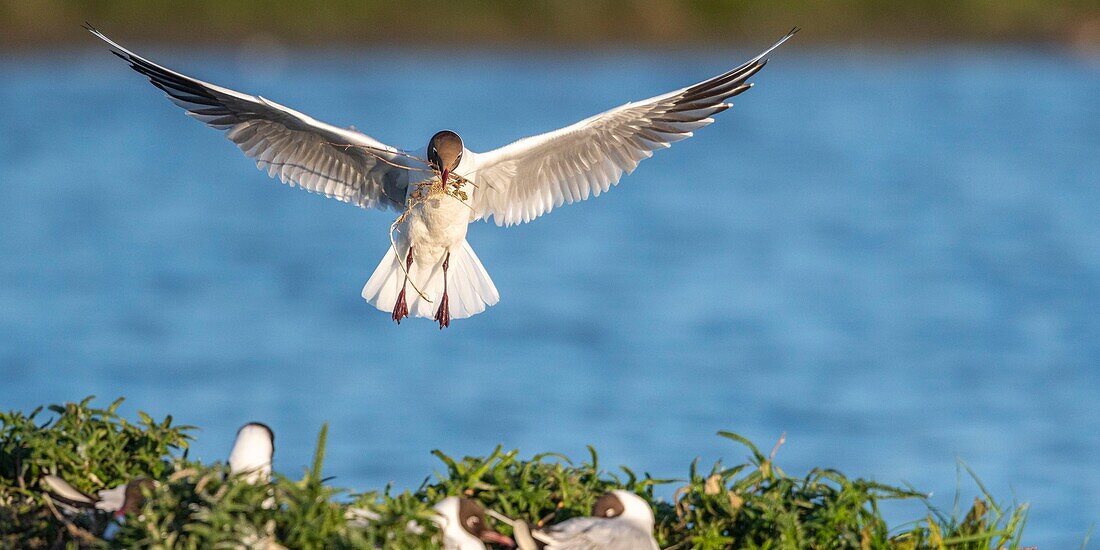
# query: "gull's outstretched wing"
{"type": "Point", "coordinates": [526, 179]}
{"type": "Point", "coordinates": [342, 164]}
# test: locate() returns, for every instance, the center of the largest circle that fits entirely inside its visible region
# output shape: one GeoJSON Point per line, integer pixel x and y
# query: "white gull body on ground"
{"type": "Point", "coordinates": [620, 520]}
{"type": "Point", "coordinates": [252, 453]}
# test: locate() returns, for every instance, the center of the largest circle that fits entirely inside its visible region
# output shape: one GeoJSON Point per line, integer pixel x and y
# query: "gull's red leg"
{"type": "Point", "coordinates": [401, 308]}
{"type": "Point", "coordinates": [443, 314]}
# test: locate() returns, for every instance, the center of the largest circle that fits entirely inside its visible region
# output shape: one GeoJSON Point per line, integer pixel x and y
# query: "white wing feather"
{"type": "Point", "coordinates": [528, 178]}
{"type": "Point", "coordinates": [343, 164]}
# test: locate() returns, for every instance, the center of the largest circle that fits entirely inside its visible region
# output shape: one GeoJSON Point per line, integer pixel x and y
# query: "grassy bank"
{"type": "Point", "coordinates": [196, 505]}
{"type": "Point", "coordinates": [545, 22]}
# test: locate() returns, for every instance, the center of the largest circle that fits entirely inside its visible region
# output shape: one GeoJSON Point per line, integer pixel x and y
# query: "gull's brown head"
{"type": "Point", "coordinates": [134, 497]}
{"type": "Point", "coordinates": [608, 506]}
{"type": "Point", "coordinates": [471, 516]}
{"type": "Point", "coordinates": [445, 152]}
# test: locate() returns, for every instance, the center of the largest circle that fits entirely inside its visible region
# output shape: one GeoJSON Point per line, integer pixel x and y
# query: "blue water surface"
{"type": "Point", "coordinates": [892, 257]}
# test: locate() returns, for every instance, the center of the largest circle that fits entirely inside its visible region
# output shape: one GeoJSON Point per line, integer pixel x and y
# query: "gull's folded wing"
{"type": "Point", "coordinates": [342, 164]}
{"type": "Point", "coordinates": [586, 532]}
{"type": "Point", "coordinates": [61, 491]}
{"type": "Point", "coordinates": [526, 179]}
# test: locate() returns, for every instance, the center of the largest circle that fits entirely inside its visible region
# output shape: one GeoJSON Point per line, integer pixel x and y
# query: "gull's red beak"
{"type": "Point", "coordinates": [443, 176]}
{"type": "Point", "coordinates": [489, 535]}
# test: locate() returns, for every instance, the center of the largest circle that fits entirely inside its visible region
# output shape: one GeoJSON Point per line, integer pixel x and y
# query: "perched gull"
{"type": "Point", "coordinates": [252, 453]}
{"type": "Point", "coordinates": [462, 521]}
{"type": "Point", "coordinates": [119, 501]}
{"type": "Point", "coordinates": [251, 458]}
{"type": "Point", "coordinates": [513, 184]}
{"type": "Point", "coordinates": [620, 520]}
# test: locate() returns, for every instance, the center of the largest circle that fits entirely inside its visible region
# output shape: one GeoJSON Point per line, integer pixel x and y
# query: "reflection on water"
{"type": "Point", "coordinates": [893, 258]}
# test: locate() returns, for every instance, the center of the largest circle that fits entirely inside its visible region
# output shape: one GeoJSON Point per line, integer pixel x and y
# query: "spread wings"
{"type": "Point", "coordinates": [343, 164]}
{"type": "Point", "coordinates": [526, 179]}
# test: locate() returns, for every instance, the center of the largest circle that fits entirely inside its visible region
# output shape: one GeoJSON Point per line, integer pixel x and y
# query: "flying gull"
{"type": "Point", "coordinates": [430, 269]}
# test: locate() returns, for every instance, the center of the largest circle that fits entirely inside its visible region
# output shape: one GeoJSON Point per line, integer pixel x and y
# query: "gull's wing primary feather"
{"type": "Point", "coordinates": [528, 178]}
{"type": "Point", "coordinates": [321, 158]}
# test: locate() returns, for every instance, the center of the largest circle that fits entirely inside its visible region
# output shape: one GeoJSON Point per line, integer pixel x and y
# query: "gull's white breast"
{"type": "Point", "coordinates": [436, 225]}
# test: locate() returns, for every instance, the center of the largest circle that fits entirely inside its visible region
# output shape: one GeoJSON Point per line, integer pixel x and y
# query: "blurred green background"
{"type": "Point", "coordinates": [29, 24]}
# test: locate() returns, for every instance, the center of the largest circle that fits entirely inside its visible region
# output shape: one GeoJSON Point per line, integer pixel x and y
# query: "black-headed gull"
{"type": "Point", "coordinates": [620, 520]}
{"type": "Point", "coordinates": [513, 184]}
{"type": "Point", "coordinates": [252, 453]}
{"type": "Point", "coordinates": [119, 501]}
{"type": "Point", "coordinates": [251, 457]}
{"type": "Point", "coordinates": [462, 521]}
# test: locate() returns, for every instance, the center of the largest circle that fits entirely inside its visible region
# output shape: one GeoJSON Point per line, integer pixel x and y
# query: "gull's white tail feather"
{"type": "Point", "coordinates": [469, 288]}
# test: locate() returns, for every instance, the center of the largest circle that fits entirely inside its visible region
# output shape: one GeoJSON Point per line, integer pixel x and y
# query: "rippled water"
{"type": "Point", "coordinates": [893, 258]}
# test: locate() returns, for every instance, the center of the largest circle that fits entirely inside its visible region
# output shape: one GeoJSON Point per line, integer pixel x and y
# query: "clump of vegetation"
{"type": "Point", "coordinates": [194, 505]}
{"type": "Point", "coordinates": [89, 447]}
{"type": "Point", "coordinates": [200, 506]}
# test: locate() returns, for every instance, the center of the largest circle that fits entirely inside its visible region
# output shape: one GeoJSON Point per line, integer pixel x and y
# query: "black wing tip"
{"type": "Point", "coordinates": [762, 59]}
{"type": "Point", "coordinates": [786, 37]}
{"type": "Point", "coordinates": [112, 47]}
{"type": "Point", "coordinates": [96, 32]}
